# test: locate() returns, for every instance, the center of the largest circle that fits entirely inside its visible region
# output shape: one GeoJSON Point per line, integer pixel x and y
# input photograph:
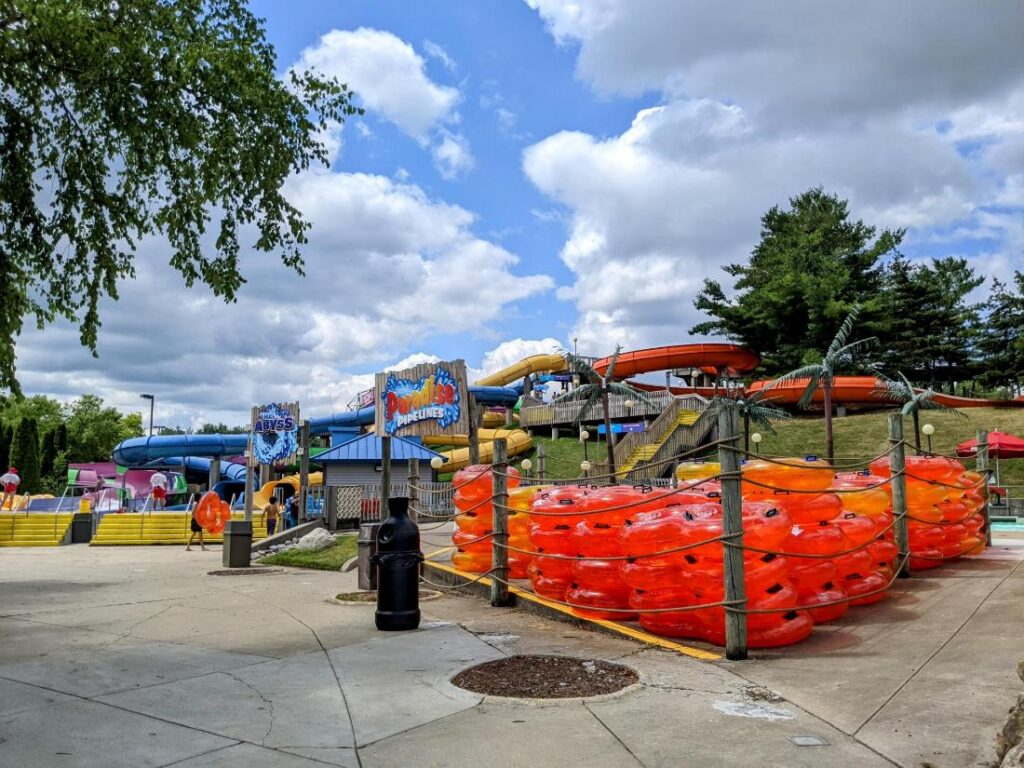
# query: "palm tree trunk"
{"type": "Point", "coordinates": [917, 433]}
{"type": "Point", "coordinates": [608, 434]}
{"type": "Point", "coordinates": [827, 393]}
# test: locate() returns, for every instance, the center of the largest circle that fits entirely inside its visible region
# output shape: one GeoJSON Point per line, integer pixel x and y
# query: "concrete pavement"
{"type": "Point", "coordinates": [137, 657]}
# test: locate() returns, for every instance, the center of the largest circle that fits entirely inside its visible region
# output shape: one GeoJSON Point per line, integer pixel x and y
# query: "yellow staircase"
{"type": "Point", "coordinates": [647, 451]}
{"type": "Point", "coordinates": [34, 529]}
{"type": "Point", "coordinates": [160, 528]}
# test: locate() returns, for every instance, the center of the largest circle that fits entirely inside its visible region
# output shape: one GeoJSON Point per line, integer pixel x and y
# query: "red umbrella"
{"type": "Point", "coordinates": [1000, 446]}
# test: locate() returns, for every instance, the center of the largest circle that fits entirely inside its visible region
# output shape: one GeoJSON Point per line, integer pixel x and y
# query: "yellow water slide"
{"type": "Point", "coordinates": [262, 497]}
{"type": "Point", "coordinates": [526, 366]}
{"type": "Point", "coordinates": [516, 439]}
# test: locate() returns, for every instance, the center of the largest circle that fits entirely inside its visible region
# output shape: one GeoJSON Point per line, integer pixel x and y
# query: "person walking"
{"type": "Point", "coordinates": [10, 481]}
{"type": "Point", "coordinates": [272, 512]}
{"type": "Point", "coordinates": [158, 481]}
{"type": "Point", "coordinates": [196, 528]}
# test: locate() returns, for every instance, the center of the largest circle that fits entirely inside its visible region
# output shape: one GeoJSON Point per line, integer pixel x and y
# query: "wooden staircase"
{"type": "Point", "coordinates": [646, 451]}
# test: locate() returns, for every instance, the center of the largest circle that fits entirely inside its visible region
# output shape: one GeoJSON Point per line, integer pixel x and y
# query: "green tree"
{"type": "Point", "coordinates": [61, 437]}
{"type": "Point", "coordinates": [6, 439]}
{"type": "Point", "coordinates": [45, 410]}
{"type": "Point", "coordinates": [221, 429]}
{"type": "Point", "coordinates": [901, 390]}
{"type": "Point", "coordinates": [821, 374]}
{"type": "Point", "coordinates": [47, 453]}
{"type": "Point", "coordinates": [811, 265]}
{"type": "Point", "coordinates": [124, 120]}
{"type": "Point", "coordinates": [595, 388]}
{"type": "Point", "coordinates": [25, 454]}
{"type": "Point", "coordinates": [94, 429]}
{"type": "Point", "coordinates": [1000, 338]}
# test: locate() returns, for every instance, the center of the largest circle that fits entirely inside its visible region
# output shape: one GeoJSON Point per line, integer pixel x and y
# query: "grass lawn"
{"type": "Point", "coordinates": [865, 435]}
{"type": "Point", "coordinates": [562, 457]}
{"type": "Point", "coordinates": [330, 559]}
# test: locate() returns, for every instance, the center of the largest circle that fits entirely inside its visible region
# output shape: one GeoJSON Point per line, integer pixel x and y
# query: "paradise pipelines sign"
{"type": "Point", "coordinates": [427, 399]}
{"type": "Point", "coordinates": [275, 433]}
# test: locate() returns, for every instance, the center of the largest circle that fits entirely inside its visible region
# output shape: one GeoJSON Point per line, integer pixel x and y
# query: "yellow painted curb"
{"type": "Point", "coordinates": [635, 634]}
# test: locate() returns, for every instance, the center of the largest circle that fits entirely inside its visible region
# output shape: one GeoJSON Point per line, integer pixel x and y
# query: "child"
{"type": "Point", "coordinates": [10, 482]}
{"type": "Point", "coordinates": [272, 510]}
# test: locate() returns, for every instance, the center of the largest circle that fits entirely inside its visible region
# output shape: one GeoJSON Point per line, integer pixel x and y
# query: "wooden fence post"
{"type": "Point", "coordinates": [474, 437]}
{"type": "Point", "coordinates": [897, 469]}
{"type": "Point", "coordinates": [303, 472]}
{"type": "Point", "coordinates": [250, 467]}
{"type": "Point", "coordinates": [542, 470]}
{"type": "Point", "coordinates": [732, 528]}
{"type": "Point", "coordinates": [499, 542]}
{"type": "Point", "coordinates": [982, 466]}
{"type": "Point", "coordinates": [385, 475]}
{"type": "Point", "coordinates": [413, 484]}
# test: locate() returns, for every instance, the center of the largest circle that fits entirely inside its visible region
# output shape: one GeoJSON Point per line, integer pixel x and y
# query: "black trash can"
{"type": "Point", "coordinates": [398, 561]}
{"type": "Point", "coordinates": [367, 543]}
{"type": "Point", "coordinates": [237, 551]}
{"type": "Point", "coordinates": [81, 528]}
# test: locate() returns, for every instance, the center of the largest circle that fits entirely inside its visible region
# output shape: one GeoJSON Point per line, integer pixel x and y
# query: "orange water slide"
{"type": "Point", "coordinates": [715, 357]}
{"type": "Point", "coordinates": [862, 390]}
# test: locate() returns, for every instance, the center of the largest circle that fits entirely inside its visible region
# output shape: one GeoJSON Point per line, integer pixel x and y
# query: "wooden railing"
{"type": "Point", "coordinates": [684, 438]}
{"type": "Point", "coordinates": [568, 412]}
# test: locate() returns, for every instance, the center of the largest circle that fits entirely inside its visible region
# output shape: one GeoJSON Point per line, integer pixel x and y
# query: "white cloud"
{"type": "Point", "coordinates": [387, 268]}
{"type": "Point", "coordinates": [452, 155]}
{"type": "Point", "coordinates": [435, 51]}
{"type": "Point", "coordinates": [387, 75]}
{"type": "Point", "coordinates": [757, 104]}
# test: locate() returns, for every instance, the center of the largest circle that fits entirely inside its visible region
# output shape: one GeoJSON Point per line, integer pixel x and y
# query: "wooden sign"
{"type": "Point", "coordinates": [427, 399]}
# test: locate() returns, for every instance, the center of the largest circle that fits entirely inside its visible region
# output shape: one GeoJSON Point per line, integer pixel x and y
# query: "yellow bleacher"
{"type": "Point", "coordinates": [159, 528]}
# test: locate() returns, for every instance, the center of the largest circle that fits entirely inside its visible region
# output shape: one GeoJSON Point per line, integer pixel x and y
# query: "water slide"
{"type": "Point", "coordinates": [863, 391]}
{"type": "Point", "coordinates": [522, 369]}
{"type": "Point", "coordinates": [733, 358]}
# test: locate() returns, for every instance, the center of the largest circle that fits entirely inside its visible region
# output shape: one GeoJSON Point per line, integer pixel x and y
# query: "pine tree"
{"type": "Point", "coordinates": [47, 453]}
{"type": "Point", "coordinates": [6, 436]}
{"type": "Point", "coordinates": [25, 454]}
{"type": "Point", "coordinates": [1001, 337]}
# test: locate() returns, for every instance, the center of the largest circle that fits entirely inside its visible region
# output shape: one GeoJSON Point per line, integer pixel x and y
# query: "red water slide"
{"type": "Point", "coordinates": [716, 357]}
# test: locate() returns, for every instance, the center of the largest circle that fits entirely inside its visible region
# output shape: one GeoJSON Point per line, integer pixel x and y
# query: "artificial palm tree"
{"type": "Point", "coordinates": [751, 407]}
{"type": "Point", "coordinates": [822, 374]}
{"type": "Point", "coordinates": [593, 388]}
{"type": "Point", "coordinates": [914, 400]}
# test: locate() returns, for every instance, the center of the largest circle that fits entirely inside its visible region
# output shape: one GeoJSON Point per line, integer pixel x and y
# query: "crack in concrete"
{"type": "Point", "coordinates": [615, 736]}
{"type": "Point", "coordinates": [264, 699]}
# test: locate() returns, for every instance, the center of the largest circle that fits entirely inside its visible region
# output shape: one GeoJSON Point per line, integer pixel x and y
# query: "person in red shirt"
{"type": "Point", "coordinates": [10, 481]}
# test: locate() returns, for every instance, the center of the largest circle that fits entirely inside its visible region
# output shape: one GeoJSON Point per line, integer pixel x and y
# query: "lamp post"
{"type": "Point", "coordinates": [929, 430]}
{"type": "Point", "coordinates": [152, 402]}
{"type": "Point", "coordinates": [585, 466]}
{"type": "Point", "coordinates": [526, 464]}
{"type": "Point", "coordinates": [756, 440]}
{"type": "Point", "coordinates": [584, 437]}
{"type": "Point", "coordinates": [574, 340]}
{"type": "Point", "coordinates": [435, 464]}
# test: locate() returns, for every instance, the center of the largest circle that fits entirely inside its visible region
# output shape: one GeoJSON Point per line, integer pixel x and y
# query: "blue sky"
{"type": "Point", "coordinates": [530, 172]}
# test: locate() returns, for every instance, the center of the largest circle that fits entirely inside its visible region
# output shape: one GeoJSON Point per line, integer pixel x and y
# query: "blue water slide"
{"type": "Point", "coordinates": [229, 470]}
{"type": "Point", "coordinates": [139, 451]}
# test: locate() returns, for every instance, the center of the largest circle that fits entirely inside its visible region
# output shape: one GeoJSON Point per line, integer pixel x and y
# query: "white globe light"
{"type": "Point", "coordinates": [928, 429]}
{"type": "Point", "coordinates": [585, 466]}
{"type": "Point", "coordinates": [756, 437]}
{"type": "Point", "coordinates": [526, 464]}
{"type": "Point", "coordinates": [437, 462]}
{"type": "Point", "coordinates": [584, 435]}
{"type": "Point", "coordinates": [629, 404]}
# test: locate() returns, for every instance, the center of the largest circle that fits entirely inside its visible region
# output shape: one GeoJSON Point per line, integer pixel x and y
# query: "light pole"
{"type": "Point", "coordinates": [585, 466]}
{"type": "Point", "coordinates": [929, 430]}
{"type": "Point", "coordinates": [574, 340]}
{"type": "Point", "coordinates": [584, 437]}
{"type": "Point", "coordinates": [756, 440]}
{"type": "Point", "coordinates": [526, 464]}
{"type": "Point", "coordinates": [435, 464]}
{"type": "Point", "coordinates": [152, 402]}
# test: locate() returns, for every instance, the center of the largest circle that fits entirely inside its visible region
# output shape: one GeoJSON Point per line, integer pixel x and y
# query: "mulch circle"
{"type": "Point", "coordinates": [545, 677]}
{"type": "Point", "coordinates": [371, 597]}
{"type": "Point", "coordinates": [252, 570]}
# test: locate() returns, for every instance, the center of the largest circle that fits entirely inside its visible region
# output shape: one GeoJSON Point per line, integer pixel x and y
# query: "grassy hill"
{"type": "Point", "coordinates": [865, 435]}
